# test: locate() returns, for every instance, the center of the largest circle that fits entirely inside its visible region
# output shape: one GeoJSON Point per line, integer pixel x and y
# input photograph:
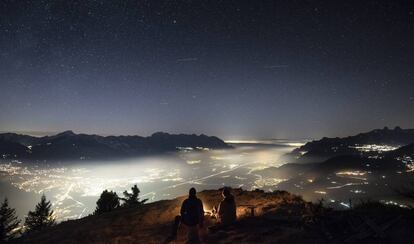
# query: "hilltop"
{"type": "Point", "coordinates": [280, 217]}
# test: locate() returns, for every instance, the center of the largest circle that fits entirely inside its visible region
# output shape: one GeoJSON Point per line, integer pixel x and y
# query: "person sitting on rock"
{"type": "Point", "coordinates": [226, 212]}
{"type": "Point", "coordinates": [192, 216]}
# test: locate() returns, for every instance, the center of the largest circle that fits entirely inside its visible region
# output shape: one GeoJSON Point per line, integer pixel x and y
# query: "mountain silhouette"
{"type": "Point", "coordinates": [69, 145]}
{"type": "Point", "coordinates": [374, 177]}
{"type": "Point", "coordinates": [325, 148]}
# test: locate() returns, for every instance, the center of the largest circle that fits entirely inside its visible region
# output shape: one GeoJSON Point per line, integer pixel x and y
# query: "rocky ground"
{"type": "Point", "coordinates": [279, 217]}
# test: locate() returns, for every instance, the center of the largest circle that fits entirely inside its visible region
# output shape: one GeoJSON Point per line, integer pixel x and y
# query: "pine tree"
{"type": "Point", "coordinates": [42, 217]}
{"type": "Point", "coordinates": [107, 202]}
{"type": "Point", "coordinates": [8, 222]}
{"type": "Point", "coordinates": [132, 199]}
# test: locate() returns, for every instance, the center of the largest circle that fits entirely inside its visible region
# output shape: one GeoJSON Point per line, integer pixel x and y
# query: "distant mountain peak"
{"type": "Point", "coordinates": [66, 133]}
{"type": "Point", "coordinates": [160, 133]}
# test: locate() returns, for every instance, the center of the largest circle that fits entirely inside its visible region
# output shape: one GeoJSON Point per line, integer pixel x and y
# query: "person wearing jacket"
{"type": "Point", "coordinates": [226, 212]}
{"type": "Point", "coordinates": [192, 216]}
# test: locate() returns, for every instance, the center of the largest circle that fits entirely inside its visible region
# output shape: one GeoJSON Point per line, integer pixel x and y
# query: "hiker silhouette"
{"type": "Point", "coordinates": [192, 216]}
{"type": "Point", "coordinates": [226, 212]}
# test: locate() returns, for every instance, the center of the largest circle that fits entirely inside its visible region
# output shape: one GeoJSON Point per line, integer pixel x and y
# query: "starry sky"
{"type": "Point", "coordinates": [232, 68]}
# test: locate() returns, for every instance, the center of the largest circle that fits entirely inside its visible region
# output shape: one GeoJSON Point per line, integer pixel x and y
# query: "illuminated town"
{"type": "Point", "coordinates": [74, 188]}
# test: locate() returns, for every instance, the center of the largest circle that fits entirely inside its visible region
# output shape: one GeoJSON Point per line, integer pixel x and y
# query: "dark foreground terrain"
{"type": "Point", "coordinates": [279, 217]}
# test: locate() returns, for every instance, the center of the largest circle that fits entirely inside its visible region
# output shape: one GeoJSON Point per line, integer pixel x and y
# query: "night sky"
{"type": "Point", "coordinates": [234, 69]}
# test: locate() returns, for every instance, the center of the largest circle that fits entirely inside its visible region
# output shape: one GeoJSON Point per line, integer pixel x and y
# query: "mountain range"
{"type": "Point", "coordinates": [69, 145]}
{"type": "Point", "coordinates": [374, 164]}
{"type": "Point", "coordinates": [325, 148]}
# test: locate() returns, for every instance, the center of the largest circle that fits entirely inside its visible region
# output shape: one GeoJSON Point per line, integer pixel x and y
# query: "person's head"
{"type": "Point", "coordinates": [225, 192]}
{"type": "Point", "coordinates": [192, 192]}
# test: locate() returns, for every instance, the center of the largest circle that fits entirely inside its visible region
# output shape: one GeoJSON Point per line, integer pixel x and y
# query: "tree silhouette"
{"type": "Point", "coordinates": [107, 202]}
{"type": "Point", "coordinates": [42, 217]}
{"type": "Point", "coordinates": [8, 222]}
{"type": "Point", "coordinates": [132, 199]}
